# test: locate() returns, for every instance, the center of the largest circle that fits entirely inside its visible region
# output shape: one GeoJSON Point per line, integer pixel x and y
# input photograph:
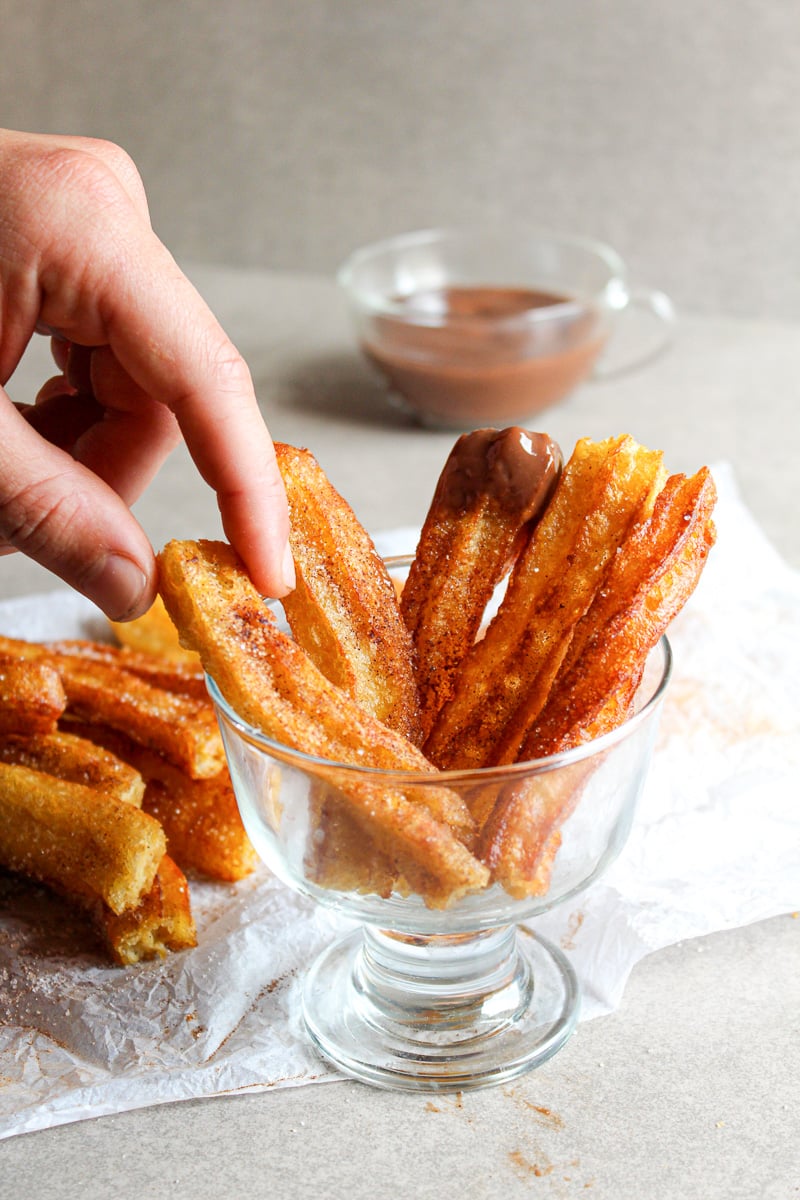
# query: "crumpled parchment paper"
{"type": "Point", "coordinates": [715, 845]}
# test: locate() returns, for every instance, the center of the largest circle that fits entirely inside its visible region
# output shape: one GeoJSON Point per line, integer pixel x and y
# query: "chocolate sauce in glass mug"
{"type": "Point", "coordinates": [444, 352]}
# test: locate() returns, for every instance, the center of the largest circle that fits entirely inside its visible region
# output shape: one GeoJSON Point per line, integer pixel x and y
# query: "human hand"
{"type": "Point", "coordinates": [142, 360]}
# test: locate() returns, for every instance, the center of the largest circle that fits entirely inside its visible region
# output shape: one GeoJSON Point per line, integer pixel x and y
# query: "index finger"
{"type": "Point", "coordinates": [172, 346]}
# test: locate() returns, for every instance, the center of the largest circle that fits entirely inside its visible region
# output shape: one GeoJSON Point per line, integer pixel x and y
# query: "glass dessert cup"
{"type": "Point", "coordinates": [439, 998]}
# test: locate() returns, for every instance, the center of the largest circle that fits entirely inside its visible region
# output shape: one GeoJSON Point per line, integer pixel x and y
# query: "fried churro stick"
{"type": "Point", "coordinates": [344, 610]}
{"type": "Point", "coordinates": [344, 613]}
{"type": "Point", "coordinates": [341, 853]}
{"type": "Point", "coordinates": [269, 680]}
{"type": "Point", "coordinates": [272, 684]}
{"type": "Point", "coordinates": [161, 922]}
{"type": "Point", "coordinates": [181, 728]}
{"type": "Point", "coordinates": [82, 841]}
{"type": "Point", "coordinates": [154, 635]}
{"type": "Point", "coordinates": [654, 572]}
{"type": "Point", "coordinates": [18, 649]}
{"type": "Point", "coordinates": [183, 678]}
{"type": "Point", "coordinates": [76, 759]}
{"type": "Point", "coordinates": [650, 579]}
{"type": "Point", "coordinates": [100, 690]}
{"type": "Point", "coordinates": [504, 679]}
{"type": "Point", "coordinates": [32, 696]}
{"type": "Point", "coordinates": [521, 834]}
{"type": "Point", "coordinates": [200, 817]}
{"type": "Point", "coordinates": [493, 487]}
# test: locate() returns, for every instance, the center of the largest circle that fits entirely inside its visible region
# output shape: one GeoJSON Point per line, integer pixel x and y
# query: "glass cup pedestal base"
{"type": "Point", "coordinates": [440, 1012]}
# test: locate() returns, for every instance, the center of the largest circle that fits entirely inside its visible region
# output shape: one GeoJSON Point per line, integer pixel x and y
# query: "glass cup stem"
{"type": "Point", "coordinates": [440, 1012]}
{"type": "Point", "coordinates": [441, 981]}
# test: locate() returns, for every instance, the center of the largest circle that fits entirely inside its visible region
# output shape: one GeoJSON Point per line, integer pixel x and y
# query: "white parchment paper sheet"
{"type": "Point", "coordinates": [716, 844]}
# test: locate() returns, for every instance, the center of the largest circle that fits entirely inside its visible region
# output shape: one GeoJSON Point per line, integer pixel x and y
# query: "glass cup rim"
{"type": "Point", "coordinates": [314, 764]}
{"type": "Point", "coordinates": [614, 293]}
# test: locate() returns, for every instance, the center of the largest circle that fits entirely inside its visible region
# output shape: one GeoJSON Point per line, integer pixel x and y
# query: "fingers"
{"type": "Point", "coordinates": [231, 446]}
{"type": "Point", "coordinates": [60, 418]}
{"type": "Point", "coordinates": [123, 440]}
{"type": "Point", "coordinates": [102, 278]}
{"type": "Point", "coordinates": [112, 157]}
{"type": "Point", "coordinates": [135, 436]}
{"type": "Point", "coordinates": [60, 514]}
{"type": "Point", "coordinates": [192, 367]}
{"type": "Point", "coordinates": [170, 346]}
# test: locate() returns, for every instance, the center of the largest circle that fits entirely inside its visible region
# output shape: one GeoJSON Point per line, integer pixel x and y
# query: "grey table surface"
{"type": "Point", "coordinates": [691, 1088]}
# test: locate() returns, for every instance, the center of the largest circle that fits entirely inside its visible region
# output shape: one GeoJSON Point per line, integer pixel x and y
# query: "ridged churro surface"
{"type": "Point", "coordinates": [493, 487]}
{"type": "Point", "coordinates": [344, 610]}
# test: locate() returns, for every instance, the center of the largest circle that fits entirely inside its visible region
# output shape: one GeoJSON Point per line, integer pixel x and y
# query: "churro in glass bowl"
{"type": "Point", "coordinates": [442, 747]}
{"type": "Point", "coordinates": [426, 997]}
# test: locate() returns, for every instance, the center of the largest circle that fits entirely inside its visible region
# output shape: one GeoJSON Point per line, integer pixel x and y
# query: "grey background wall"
{"type": "Point", "coordinates": [281, 133]}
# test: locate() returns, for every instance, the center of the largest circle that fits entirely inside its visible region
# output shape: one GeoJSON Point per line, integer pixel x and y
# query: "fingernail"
{"type": "Point", "coordinates": [118, 586]}
{"type": "Point", "coordinates": [289, 577]}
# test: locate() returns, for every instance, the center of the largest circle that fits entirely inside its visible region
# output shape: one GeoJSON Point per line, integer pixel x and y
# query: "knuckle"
{"type": "Point", "coordinates": [113, 156]}
{"type": "Point", "coordinates": [120, 164]}
{"type": "Point", "coordinates": [97, 180]}
{"type": "Point", "coordinates": [39, 175]}
{"type": "Point", "coordinates": [229, 370]}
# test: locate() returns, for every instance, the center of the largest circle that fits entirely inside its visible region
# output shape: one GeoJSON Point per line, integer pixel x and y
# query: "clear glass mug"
{"type": "Point", "coordinates": [440, 998]}
{"type": "Point", "coordinates": [488, 327]}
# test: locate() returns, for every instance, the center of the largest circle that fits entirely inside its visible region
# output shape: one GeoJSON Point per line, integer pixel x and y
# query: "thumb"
{"type": "Point", "coordinates": [67, 519]}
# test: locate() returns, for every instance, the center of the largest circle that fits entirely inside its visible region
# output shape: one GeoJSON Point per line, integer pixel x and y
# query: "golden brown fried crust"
{"type": "Point", "coordinates": [653, 573]}
{"type": "Point", "coordinates": [344, 610]}
{"type": "Point", "coordinates": [86, 842]}
{"type": "Point", "coordinates": [181, 728]}
{"type": "Point", "coordinates": [268, 679]}
{"type": "Point", "coordinates": [160, 923]}
{"type": "Point", "coordinates": [341, 853]}
{"type": "Point", "coordinates": [100, 689]}
{"type": "Point", "coordinates": [153, 636]}
{"type": "Point", "coordinates": [522, 829]}
{"type": "Point", "coordinates": [185, 678]}
{"type": "Point", "coordinates": [56, 823]}
{"type": "Point", "coordinates": [200, 817]}
{"type": "Point", "coordinates": [32, 696]}
{"type": "Point", "coordinates": [612, 560]}
{"type": "Point", "coordinates": [271, 683]}
{"type": "Point", "coordinates": [76, 759]}
{"type": "Point", "coordinates": [492, 488]}
{"type": "Point", "coordinates": [504, 680]}
{"type": "Point", "coordinates": [201, 820]}
{"type": "Point", "coordinates": [17, 649]}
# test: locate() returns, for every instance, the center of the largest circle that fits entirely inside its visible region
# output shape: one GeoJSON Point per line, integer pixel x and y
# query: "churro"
{"type": "Point", "coordinates": [160, 923]}
{"type": "Point", "coordinates": [599, 559]}
{"type": "Point", "coordinates": [84, 842]}
{"type": "Point", "coordinates": [647, 583]}
{"type": "Point", "coordinates": [180, 727]}
{"type": "Point", "coordinates": [99, 688]}
{"type": "Point", "coordinates": [77, 760]}
{"type": "Point", "coordinates": [184, 677]}
{"type": "Point", "coordinates": [343, 610]}
{"type": "Point", "coordinates": [32, 696]}
{"type": "Point", "coordinates": [493, 487]}
{"type": "Point", "coordinates": [153, 635]}
{"type": "Point", "coordinates": [200, 817]}
{"type": "Point", "coordinates": [504, 680]}
{"type": "Point", "coordinates": [271, 683]}
{"type": "Point", "coordinates": [341, 854]}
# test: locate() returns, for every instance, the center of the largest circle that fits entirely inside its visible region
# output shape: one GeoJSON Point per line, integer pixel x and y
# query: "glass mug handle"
{"type": "Point", "coordinates": [642, 330]}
